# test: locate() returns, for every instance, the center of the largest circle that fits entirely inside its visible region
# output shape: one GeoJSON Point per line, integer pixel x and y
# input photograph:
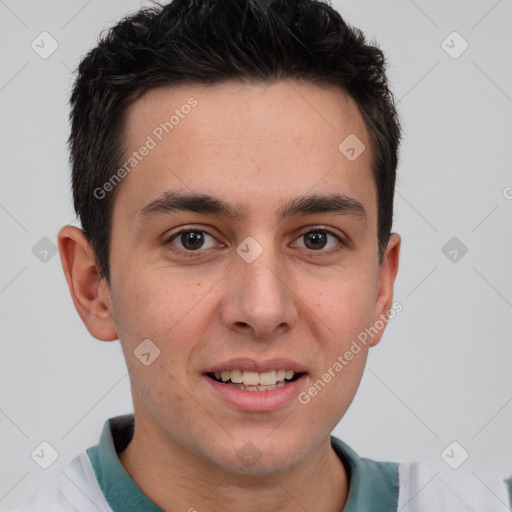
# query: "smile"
{"type": "Point", "coordinates": [255, 381]}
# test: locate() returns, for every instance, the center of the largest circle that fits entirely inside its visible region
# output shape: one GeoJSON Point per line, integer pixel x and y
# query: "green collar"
{"type": "Point", "coordinates": [119, 489]}
{"type": "Point", "coordinates": [373, 485]}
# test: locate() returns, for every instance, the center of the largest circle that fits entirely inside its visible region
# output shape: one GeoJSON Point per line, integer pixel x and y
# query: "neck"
{"type": "Point", "coordinates": [176, 480]}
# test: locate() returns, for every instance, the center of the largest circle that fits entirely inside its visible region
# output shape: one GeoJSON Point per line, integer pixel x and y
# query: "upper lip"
{"type": "Point", "coordinates": [252, 365]}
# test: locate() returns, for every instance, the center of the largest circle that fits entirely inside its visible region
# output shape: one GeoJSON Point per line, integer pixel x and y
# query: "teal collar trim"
{"type": "Point", "coordinates": [373, 485]}
{"type": "Point", "coordinates": [121, 492]}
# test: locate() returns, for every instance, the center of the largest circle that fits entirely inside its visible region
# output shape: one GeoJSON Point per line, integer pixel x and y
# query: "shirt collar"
{"type": "Point", "coordinates": [121, 492]}
{"type": "Point", "coordinates": [373, 485]}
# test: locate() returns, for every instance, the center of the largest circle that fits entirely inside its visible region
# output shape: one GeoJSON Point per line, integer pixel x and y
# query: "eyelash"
{"type": "Point", "coordinates": [193, 254]}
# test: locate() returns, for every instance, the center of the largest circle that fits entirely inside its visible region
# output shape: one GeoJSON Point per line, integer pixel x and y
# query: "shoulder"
{"type": "Point", "coordinates": [75, 488]}
{"type": "Point", "coordinates": [414, 487]}
{"type": "Point", "coordinates": [423, 489]}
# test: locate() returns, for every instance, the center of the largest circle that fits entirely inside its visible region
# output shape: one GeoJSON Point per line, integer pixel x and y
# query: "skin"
{"type": "Point", "coordinates": [256, 146]}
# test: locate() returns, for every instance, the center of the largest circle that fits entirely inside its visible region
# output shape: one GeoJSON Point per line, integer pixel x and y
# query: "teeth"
{"type": "Point", "coordinates": [237, 377]}
{"type": "Point", "coordinates": [255, 379]}
{"type": "Point", "coordinates": [257, 388]}
{"type": "Point", "coordinates": [268, 378]}
{"type": "Point", "coordinates": [251, 378]}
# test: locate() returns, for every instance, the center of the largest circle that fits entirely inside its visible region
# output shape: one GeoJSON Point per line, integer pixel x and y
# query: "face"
{"type": "Point", "coordinates": [244, 292]}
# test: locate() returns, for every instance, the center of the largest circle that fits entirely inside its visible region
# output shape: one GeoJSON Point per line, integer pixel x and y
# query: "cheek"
{"type": "Point", "coordinates": [149, 306]}
{"type": "Point", "coordinates": [345, 306]}
{"type": "Point", "coordinates": [345, 309]}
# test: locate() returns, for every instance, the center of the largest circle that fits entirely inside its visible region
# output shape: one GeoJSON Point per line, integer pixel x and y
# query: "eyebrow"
{"type": "Point", "coordinates": [170, 202]}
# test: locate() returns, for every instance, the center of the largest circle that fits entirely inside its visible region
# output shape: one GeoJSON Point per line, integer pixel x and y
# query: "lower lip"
{"type": "Point", "coordinates": [257, 401]}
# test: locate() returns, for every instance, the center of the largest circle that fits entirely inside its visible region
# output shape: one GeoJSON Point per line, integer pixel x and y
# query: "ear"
{"type": "Point", "coordinates": [387, 275]}
{"type": "Point", "coordinates": [89, 291]}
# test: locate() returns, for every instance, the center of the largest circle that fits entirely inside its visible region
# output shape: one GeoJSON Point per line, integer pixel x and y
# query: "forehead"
{"type": "Point", "coordinates": [246, 143]}
{"type": "Point", "coordinates": [320, 114]}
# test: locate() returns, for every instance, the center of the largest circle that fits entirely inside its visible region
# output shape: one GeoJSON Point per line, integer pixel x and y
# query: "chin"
{"type": "Point", "coordinates": [259, 457]}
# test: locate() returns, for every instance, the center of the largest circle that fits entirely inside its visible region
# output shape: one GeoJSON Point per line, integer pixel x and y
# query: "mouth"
{"type": "Point", "coordinates": [250, 385]}
{"type": "Point", "coordinates": [246, 380]}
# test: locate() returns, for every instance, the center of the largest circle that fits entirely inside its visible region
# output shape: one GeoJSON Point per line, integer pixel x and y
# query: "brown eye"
{"type": "Point", "coordinates": [189, 240]}
{"type": "Point", "coordinates": [315, 240]}
{"type": "Point", "coordinates": [192, 240]}
{"type": "Point", "coordinates": [318, 240]}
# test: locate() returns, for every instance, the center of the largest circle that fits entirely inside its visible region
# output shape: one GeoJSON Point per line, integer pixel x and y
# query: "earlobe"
{"type": "Point", "coordinates": [387, 275]}
{"type": "Point", "coordinates": [89, 291]}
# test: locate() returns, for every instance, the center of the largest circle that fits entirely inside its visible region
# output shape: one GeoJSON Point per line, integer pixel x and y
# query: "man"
{"type": "Point", "coordinates": [233, 167]}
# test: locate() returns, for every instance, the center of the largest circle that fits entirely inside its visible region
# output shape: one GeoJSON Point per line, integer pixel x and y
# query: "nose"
{"type": "Point", "coordinates": [259, 296]}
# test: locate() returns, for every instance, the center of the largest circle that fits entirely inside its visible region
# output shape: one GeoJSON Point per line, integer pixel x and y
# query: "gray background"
{"type": "Point", "coordinates": [441, 372]}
